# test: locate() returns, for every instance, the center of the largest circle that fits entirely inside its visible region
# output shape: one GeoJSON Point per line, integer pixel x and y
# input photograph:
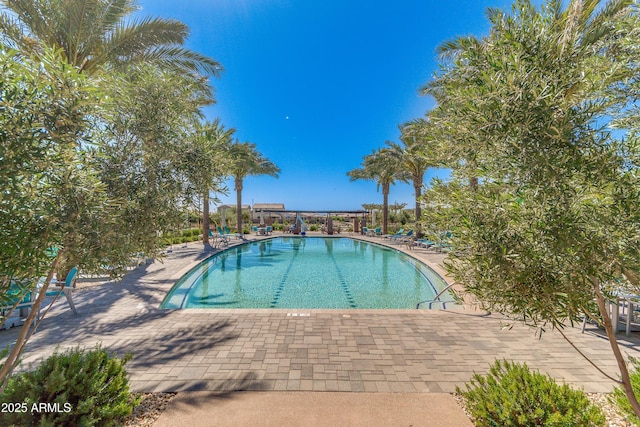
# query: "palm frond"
{"type": "Point", "coordinates": [182, 59]}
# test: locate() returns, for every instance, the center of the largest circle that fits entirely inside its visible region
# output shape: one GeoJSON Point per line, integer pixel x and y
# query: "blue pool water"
{"type": "Point", "coordinates": [306, 272]}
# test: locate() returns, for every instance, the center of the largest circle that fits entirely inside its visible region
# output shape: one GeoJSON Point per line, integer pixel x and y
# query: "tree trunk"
{"type": "Point", "coordinates": [205, 218]}
{"type": "Point", "coordinates": [238, 188]}
{"type": "Point", "coordinates": [473, 183]}
{"type": "Point", "coordinates": [418, 189]}
{"type": "Point", "coordinates": [13, 358]}
{"type": "Point", "coordinates": [417, 186]}
{"type": "Point", "coordinates": [385, 208]}
{"type": "Point", "coordinates": [611, 334]}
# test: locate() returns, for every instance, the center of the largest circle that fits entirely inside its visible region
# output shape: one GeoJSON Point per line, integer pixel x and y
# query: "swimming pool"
{"type": "Point", "coordinates": [307, 272]}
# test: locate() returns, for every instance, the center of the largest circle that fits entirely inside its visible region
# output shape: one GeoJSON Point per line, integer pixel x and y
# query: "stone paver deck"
{"type": "Point", "coordinates": [410, 351]}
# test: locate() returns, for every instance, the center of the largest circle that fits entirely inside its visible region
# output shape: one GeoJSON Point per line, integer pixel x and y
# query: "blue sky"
{"type": "Point", "coordinates": [316, 85]}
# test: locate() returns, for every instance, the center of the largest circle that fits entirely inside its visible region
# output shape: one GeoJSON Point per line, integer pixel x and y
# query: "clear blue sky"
{"type": "Point", "coordinates": [316, 85]}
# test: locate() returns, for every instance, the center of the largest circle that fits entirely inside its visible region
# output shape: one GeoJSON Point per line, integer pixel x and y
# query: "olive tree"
{"type": "Point", "coordinates": [552, 225]}
{"type": "Point", "coordinates": [52, 196]}
{"type": "Point", "coordinates": [147, 131]}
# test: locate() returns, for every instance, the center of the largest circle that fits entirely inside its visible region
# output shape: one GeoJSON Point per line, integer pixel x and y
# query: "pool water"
{"type": "Point", "coordinates": [306, 272]}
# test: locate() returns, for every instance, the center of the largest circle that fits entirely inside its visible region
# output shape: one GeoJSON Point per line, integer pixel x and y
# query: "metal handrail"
{"type": "Point", "coordinates": [431, 301]}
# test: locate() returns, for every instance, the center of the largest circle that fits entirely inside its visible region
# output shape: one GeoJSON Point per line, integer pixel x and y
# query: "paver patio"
{"type": "Point", "coordinates": [304, 350]}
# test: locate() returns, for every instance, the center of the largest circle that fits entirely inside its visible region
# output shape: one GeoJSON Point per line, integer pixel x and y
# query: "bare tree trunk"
{"type": "Point", "coordinates": [205, 218]}
{"type": "Point", "coordinates": [238, 188]}
{"type": "Point", "coordinates": [385, 208]}
{"type": "Point", "coordinates": [611, 334]}
{"type": "Point", "coordinates": [417, 186]}
{"type": "Point", "coordinates": [14, 355]}
{"type": "Point", "coordinates": [418, 190]}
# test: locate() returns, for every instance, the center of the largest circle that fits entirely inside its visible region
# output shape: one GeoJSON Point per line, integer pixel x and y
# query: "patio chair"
{"type": "Point", "coordinates": [227, 232]}
{"type": "Point", "coordinates": [268, 230]}
{"type": "Point", "coordinates": [213, 239]}
{"type": "Point", "coordinates": [17, 300]}
{"type": "Point", "coordinates": [378, 231]}
{"type": "Point", "coordinates": [443, 245]}
{"type": "Point", "coordinates": [393, 236]}
{"type": "Point", "coordinates": [222, 238]}
{"type": "Point", "coordinates": [406, 239]}
{"type": "Point", "coordinates": [57, 287]}
{"type": "Point", "coordinates": [424, 243]}
{"type": "Point", "coordinates": [401, 237]}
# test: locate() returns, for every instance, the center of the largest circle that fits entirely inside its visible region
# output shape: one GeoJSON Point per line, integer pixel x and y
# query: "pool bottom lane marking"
{"type": "Point", "coordinates": [280, 287]}
{"type": "Point", "coordinates": [343, 284]}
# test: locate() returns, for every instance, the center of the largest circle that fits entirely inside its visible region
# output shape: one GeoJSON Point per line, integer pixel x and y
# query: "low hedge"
{"type": "Point", "coordinates": [511, 395]}
{"type": "Point", "coordinates": [74, 388]}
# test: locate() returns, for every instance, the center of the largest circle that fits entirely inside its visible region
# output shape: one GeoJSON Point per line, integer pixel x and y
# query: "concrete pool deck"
{"type": "Point", "coordinates": [395, 354]}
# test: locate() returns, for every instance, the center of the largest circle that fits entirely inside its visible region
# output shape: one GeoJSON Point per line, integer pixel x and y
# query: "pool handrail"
{"type": "Point", "coordinates": [431, 301]}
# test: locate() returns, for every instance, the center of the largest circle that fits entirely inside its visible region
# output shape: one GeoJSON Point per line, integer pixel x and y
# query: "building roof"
{"type": "Point", "coordinates": [222, 207]}
{"type": "Point", "coordinates": [268, 206]}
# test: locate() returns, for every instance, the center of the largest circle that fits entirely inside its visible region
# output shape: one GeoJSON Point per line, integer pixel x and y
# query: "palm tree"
{"type": "Point", "coordinates": [414, 154]}
{"type": "Point", "coordinates": [207, 164]}
{"type": "Point", "coordinates": [383, 167]}
{"type": "Point", "coordinates": [95, 33]}
{"type": "Point", "coordinates": [245, 160]}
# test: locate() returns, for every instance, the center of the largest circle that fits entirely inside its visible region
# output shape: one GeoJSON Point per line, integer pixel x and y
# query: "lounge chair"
{"type": "Point", "coordinates": [443, 245]}
{"type": "Point", "coordinates": [221, 237]}
{"type": "Point", "coordinates": [407, 239]}
{"type": "Point", "coordinates": [236, 235]}
{"type": "Point", "coordinates": [392, 236]}
{"type": "Point", "coordinates": [424, 243]}
{"type": "Point", "coordinates": [215, 239]}
{"type": "Point", "coordinates": [402, 237]}
{"type": "Point", "coordinates": [17, 299]}
{"type": "Point", "coordinates": [57, 287]}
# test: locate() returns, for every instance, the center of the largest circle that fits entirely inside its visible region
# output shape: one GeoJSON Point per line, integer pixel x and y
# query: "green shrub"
{"type": "Point", "coordinates": [313, 228]}
{"type": "Point", "coordinates": [81, 388]}
{"type": "Point", "coordinates": [512, 395]}
{"type": "Point", "coordinates": [619, 398]}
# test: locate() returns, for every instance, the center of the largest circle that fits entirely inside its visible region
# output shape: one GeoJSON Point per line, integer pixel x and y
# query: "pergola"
{"type": "Point", "coordinates": [327, 212]}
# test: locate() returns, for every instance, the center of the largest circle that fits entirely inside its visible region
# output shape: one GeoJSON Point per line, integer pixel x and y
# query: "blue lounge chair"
{"type": "Point", "coordinates": [425, 243]}
{"type": "Point", "coordinates": [18, 299]}
{"type": "Point", "coordinates": [222, 238]}
{"type": "Point", "coordinates": [443, 245]}
{"type": "Point", "coordinates": [402, 237]}
{"type": "Point", "coordinates": [214, 239]}
{"type": "Point", "coordinates": [66, 287]}
{"type": "Point", "coordinates": [407, 239]}
{"type": "Point", "coordinates": [393, 236]}
{"type": "Point", "coordinates": [227, 232]}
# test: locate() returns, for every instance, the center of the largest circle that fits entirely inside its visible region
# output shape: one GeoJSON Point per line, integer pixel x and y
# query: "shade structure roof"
{"type": "Point", "coordinates": [321, 211]}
